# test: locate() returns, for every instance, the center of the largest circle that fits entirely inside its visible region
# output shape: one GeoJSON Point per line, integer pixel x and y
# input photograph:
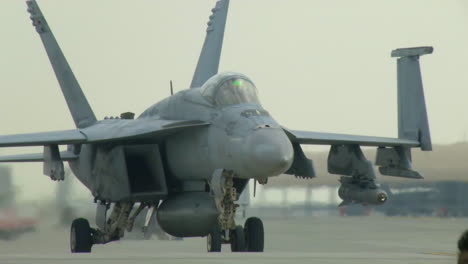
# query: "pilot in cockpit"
{"type": "Point", "coordinates": [231, 91]}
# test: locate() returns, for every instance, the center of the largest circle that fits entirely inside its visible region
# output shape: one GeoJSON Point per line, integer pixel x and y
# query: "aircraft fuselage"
{"type": "Point", "coordinates": [242, 138]}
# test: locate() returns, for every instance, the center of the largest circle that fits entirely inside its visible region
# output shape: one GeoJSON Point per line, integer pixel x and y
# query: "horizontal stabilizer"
{"type": "Point", "coordinates": [63, 137]}
{"type": "Point", "coordinates": [37, 157]}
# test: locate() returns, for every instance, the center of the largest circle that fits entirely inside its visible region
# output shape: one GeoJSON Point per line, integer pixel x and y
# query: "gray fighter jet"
{"type": "Point", "coordinates": [188, 157]}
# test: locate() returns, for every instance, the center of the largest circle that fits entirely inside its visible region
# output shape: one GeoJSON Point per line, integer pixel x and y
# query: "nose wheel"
{"type": "Point", "coordinates": [237, 238]}
{"type": "Point", "coordinates": [214, 240]}
{"type": "Point", "coordinates": [254, 234]}
{"type": "Point", "coordinates": [248, 239]}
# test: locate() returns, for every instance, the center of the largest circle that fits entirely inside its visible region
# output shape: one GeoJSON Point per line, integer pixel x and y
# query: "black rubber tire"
{"type": "Point", "coordinates": [214, 241]}
{"type": "Point", "coordinates": [81, 240]}
{"type": "Point", "coordinates": [238, 240]}
{"type": "Point", "coordinates": [254, 235]}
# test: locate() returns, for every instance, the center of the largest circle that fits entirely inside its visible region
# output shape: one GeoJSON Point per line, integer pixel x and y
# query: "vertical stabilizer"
{"type": "Point", "coordinates": [79, 107]}
{"type": "Point", "coordinates": [412, 115]}
{"type": "Point", "coordinates": [208, 62]}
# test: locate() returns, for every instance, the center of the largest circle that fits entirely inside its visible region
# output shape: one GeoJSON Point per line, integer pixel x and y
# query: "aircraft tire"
{"type": "Point", "coordinates": [238, 239]}
{"type": "Point", "coordinates": [254, 235]}
{"type": "Point", "coordinates": [80, 236]}
{"type": "Point", "coordinates": [214, 241]}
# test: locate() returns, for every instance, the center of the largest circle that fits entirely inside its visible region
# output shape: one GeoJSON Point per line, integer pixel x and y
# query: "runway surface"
{"type": "Point", "coordinates": [362, 240]}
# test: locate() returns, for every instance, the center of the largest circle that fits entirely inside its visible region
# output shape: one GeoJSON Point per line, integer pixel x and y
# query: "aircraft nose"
{"type": "Point", "coordinates": [270, 153]}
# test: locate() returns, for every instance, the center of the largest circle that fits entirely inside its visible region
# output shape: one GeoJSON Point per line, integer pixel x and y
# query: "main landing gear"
{"type": "Point", "coordinates": [249, 238]}
{"type": "Point", "coordinates": [83, 237]}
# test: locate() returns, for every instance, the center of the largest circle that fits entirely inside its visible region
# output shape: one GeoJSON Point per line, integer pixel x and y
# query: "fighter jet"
{"type": "Point", "coordinates": [188, 157]}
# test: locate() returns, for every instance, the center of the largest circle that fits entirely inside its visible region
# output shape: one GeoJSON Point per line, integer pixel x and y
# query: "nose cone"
{"type": "Point", "coordinates": [268, 153]}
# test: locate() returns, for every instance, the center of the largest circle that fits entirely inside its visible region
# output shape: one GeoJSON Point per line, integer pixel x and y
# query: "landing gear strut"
{"type": "Point", "coordinates": [83, 237]}
{"type": "Point", "coordinates": [247, 239]}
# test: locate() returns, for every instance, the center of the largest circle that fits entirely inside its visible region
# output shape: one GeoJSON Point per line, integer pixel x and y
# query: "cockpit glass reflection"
{"type": "Point", "coordinates": [233, 91]}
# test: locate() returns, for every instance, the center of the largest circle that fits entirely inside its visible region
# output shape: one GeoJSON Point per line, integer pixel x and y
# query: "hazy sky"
{"type": "Point", "coordinates": [318, 65]}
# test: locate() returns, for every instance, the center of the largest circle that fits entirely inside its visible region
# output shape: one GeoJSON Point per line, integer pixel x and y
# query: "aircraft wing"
{"type": "Point", "coordinates": [139, 131]}
{"type": "Point", "coordinates": [346, 158]}
{"type": "Point", "coordinates": [321, 138]}
{"type": "Point", "coordinates": [120, 131]}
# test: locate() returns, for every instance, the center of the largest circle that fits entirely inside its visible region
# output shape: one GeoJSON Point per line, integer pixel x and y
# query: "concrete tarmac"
{"type": "Point", "coordinates": [291, 240]}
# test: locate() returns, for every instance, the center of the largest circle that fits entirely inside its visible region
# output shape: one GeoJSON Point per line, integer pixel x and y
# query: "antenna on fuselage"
{"type": "Point", "coordinates": [172, 90]}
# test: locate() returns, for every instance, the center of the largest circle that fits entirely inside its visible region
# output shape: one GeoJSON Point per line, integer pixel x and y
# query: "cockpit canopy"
{"type": "Point", "coordinates": [228, 89]}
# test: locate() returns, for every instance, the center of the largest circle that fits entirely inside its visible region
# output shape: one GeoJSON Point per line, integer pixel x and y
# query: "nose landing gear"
{"type": "Point", "coordinates": [247, 239]}
{"type": "Point", "coordinates": [254, 234]}
{"type": "Point", "coordinates": [237, 239]}
{"type": "Point", "coordinates": [214, 240]}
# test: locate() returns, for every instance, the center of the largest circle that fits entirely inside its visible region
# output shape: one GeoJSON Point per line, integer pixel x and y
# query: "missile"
{"type": "Point", "coordinates": [355, 194]}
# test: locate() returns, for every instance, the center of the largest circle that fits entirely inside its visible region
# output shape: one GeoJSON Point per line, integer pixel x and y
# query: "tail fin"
{"type": "Point", "coordinates": [412, 114]}
{"type": "Point", "coordinates": [208, 62]}
{"type": "Point", "coordinates": [79, 107]}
